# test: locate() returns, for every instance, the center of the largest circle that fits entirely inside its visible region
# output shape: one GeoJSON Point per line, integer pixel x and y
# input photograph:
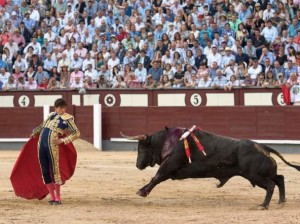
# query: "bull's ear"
{"type": "Point", "coordinates": [167, 129]}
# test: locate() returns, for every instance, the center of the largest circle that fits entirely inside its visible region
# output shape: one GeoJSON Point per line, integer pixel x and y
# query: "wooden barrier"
{"type": "Point", "coordinates": [268, 123]}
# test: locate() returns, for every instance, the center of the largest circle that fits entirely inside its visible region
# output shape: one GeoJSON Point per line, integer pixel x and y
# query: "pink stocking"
{"type": "Point", "coordinates": [57, 192]}
{"type": "Point", "coordinates": [50, 188]}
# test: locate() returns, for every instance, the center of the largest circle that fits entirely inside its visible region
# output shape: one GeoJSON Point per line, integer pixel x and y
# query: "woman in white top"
{"type": "Point", "coordinates": [119, 83]}
{"type": "Point", "coordinates": [10, 85]}
{"type": "Point", "coordinates": [233, 82]}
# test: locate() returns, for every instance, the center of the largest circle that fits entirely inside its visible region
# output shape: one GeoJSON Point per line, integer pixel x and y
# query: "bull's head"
{"type": "Point", "coordinates": [145, 152]}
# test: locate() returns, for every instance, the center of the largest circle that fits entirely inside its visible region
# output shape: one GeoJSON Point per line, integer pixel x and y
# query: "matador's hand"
{"type": "Point", "coordinates": [57, 141]}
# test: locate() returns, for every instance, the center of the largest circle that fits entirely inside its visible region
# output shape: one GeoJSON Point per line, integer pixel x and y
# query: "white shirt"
{"type": "Point", "coordinates": [167, 60]}
{"type": "Point", "coordinates": [112, 63]}
{"type": "Point", "coordinates": [268, 15]}
{"type": "Point", "coordinates": [36, 48]}
{"type": "Point", "coordinates": [270, 34]}
{"type": "Point", "coordinates": [99, 20]}
{"type": "Point", "coordinates": [35, 15]}
{"type": "Point", "coordinates": [253, 72]}
{"type": "Point", "coordinates": [13, 49]}
{"type": "Point", "coordinates": [4, 78]}
{"type": "Point", "coordinates": [214, 57]}
{"type": "Point", "coordinates": [86, 62]}
{"type": "Point", "coordinates": [23, 65]}
{"type": "Point", "coordinates": [205, 83]}
{"type": "Point", "coordinates": [31, 86]}
{"type": "Point", "coordinates": [49, 36]}
{"type": "Point", "coordinates": [141, 74]}
{"type": "Point", "coordinates": [93, 74]}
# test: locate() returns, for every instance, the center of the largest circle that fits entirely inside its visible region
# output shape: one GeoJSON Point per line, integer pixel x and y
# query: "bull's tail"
{"type": "Point", "coordinates": [269, 149]}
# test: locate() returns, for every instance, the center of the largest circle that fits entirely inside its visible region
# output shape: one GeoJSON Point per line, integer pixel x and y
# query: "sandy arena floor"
{"type": "Point", "coordinates": [103, 191]}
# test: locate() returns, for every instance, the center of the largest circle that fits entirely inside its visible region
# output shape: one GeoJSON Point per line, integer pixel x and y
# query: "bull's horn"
{"type": "Point", "coordinates": [137, 137]}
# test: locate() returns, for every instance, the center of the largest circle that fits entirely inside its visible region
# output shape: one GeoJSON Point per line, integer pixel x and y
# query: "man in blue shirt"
{"type": "Point", "coordinates": [156, 71]}
{"type": "Point", "coordinates": [49, 63]}
{"type": "Point", "coordinates": [244, 13]}
{"type": "Point", "coordinates": [266, 54]}
{"type": "Point", "coordinates": [29, 23]}
{"type": "Point", "coordinates": [293, 28]}
{"type": "Point", "coordinates": [290, 69]}
{"type": "Point", "coordinates": [158, 32]}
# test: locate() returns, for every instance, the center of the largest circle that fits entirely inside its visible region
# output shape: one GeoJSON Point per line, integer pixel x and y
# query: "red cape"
{"type": "Point", "coordinates": [286, 94]}
{"type": "Point", "coordinates": [26, 176]}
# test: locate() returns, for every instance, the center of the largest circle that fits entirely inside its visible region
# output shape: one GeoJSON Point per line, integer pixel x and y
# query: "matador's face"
{"type": "Point", "coordinates": [60, 110]}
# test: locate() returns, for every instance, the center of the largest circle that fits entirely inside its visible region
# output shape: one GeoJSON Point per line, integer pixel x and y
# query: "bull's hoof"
{"type": "Point", "coordinates": [142, 193]}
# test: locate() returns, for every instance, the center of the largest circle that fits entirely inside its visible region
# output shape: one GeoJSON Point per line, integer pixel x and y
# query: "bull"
{"type": "Point", "coordinates": [224, 158]}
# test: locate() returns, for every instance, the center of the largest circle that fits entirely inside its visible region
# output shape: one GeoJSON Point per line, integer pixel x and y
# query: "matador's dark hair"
{"type": "Point", "coordinates": [60, 102]}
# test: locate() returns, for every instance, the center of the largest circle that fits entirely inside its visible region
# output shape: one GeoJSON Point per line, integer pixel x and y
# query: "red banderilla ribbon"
{"type": "Point", "coordinates": [187, 149]}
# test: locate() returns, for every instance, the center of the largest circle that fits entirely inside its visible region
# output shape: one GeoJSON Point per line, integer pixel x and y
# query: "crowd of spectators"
{"type": "Point", "coordinates": [76, 44]}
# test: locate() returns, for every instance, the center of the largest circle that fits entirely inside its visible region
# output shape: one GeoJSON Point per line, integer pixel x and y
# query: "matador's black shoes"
{"type": "Point", "coordinates": [53, 202]}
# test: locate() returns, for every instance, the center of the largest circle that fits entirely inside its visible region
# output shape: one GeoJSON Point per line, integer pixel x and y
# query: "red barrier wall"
{"type": "Point", "coordinates": [18, 117]}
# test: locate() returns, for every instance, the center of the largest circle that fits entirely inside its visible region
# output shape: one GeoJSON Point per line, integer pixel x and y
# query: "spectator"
{"type": "Point", "coordinates": [270, 80]}
{"type": "Point", "coordinates": [164, 83]}
{"type": "Point", "coordinates": [260, 80]}
{"type": "Point", "coordinates": [113, 61]}
{"type": "Point", "coordinates": [254, 70]}
{"type": "Point", "coordinates": [77, 84]}
{"type": "Point", "coordinates": [76, 73]}
{"type": "Point", "coordinates": [91, 73]}
{"type": "Point", "coordinates": [76, 62]}
{"type": "Point", "coordinates": [119, 83]}
{"type": "Point", "coordinates": [232, 83]}
{"type": "Point", "coordinates": [41, 77]}
{"type": "Point", "coordinates": [205, 81]}
{"type": "Point", "coordinates": [30, 84]}
{"type": "Point", "coordinates": [214, 56]}
{"type": "Point", "coordinates": [49, 63]}
{"type": "Point", "coordinates": [156, 71]}
{"type": "Point", "coordinates": [19, 40]}
{"type": "Point", "coordinates": [9, 85]}
{"type": "Point", "coordinates": [30, 73]}
{"type": "Point", "coordinates": [144, 59]}
{"type": "Point", "coordinates": [280, 81]}
{"type": "Point", "coordinates": [281, 57]}
{"type": "Point", "coordinates": [150, 83]}
{"type": "Point", "coordinates": [4, 76]}
{"type": "Point", "coordinates": [247, 82]}
{"type": "Point", "coordinates": [17, 74]}
{"type": "Point", "coordinates": [291, 68]}
{"type": "Point", "coordinates": [140, 73]}
{"type": "Point", "coordinates": [293, 28]}
{"type": "Point", "coordinates": [268, 13]}
{"type": "Point", "coordinates": [8, 57]}
{"type": "Point", "coordinates": [21, 63]}
{"type": "Point", "coordinates": [103, 83]}
{"type": "Point", "coordinates": [269, 32]}
{"type": "Point", "coordinates": [219, 81]}
{"type": "Point", "coordinates": [88, 61]}
{"type": "Point", "coordinates": [35, 45]}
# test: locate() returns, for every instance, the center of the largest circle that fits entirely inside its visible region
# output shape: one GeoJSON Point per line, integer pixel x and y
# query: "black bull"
{"type": "Point", "coordinates": [225, 158]}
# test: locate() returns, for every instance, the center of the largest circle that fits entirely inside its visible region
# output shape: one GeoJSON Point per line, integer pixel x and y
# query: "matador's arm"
{"type": "Point", "coordinates": [39, 128]}
{"type": "Point", "coordinates": [75, 133]}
